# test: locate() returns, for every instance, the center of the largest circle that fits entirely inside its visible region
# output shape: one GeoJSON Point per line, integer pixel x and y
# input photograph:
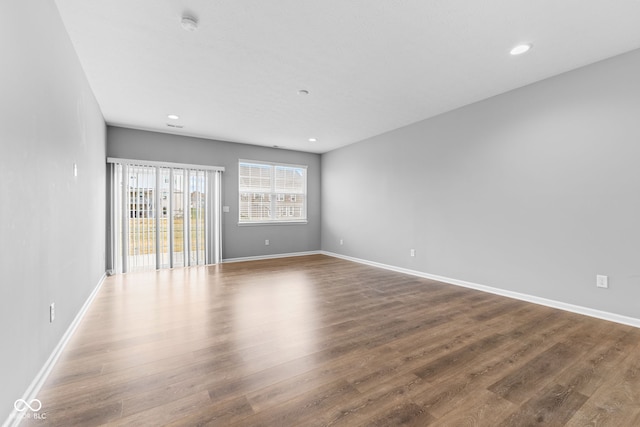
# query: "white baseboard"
{"type": "Point", "coordinates": [32, 391]}
{"type": "Point", "coordinates": [273, 256]}
{"type": "Point", "coordinates": [612, 317]}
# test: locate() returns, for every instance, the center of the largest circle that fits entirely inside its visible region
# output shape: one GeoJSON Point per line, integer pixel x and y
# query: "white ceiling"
{"type": "Point", "coordinates": [370, 66]}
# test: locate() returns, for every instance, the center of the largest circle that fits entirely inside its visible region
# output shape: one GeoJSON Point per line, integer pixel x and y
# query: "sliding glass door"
{"type": "Point", "coordinates": [163, 215]}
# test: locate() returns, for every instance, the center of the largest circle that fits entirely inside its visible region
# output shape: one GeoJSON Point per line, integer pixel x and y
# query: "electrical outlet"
{"type": "Point", "coordinates": [602, 281]}
{"type": "Point", "coordinates": [266, 242]}
{"type": "Point", "coordinates": [412, 252]}
{"type": "Point", "coordinates": [52, 312]}
{"type": "Point", "coordinates": [341, 242]}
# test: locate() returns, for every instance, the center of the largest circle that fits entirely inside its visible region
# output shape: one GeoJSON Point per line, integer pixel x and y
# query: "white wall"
{"type": "Point", "coordinates": [237, 241]}
{"type": "Point", "coordinates": [51, 223]}
{"type": "Point", "coordinates": [534, 191]}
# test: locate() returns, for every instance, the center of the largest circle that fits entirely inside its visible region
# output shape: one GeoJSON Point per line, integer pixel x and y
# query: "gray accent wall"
{"type": "Point", "coordinates": [534, 191]}
{"type": "Point", "coordinates": [51, 223]}
{"type": "Point", "coordinates": [237, 241]}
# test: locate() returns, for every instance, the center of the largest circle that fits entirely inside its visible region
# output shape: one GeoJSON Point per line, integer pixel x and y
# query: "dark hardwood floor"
{"type": "Point", "coordinates": [319, 341]}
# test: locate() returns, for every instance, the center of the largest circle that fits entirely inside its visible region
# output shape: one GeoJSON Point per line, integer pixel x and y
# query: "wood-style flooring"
{"type": "Point", "coordinates": [320, 341]}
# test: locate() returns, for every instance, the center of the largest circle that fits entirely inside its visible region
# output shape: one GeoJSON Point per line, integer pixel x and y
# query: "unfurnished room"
{"type": "Point", "coordinates": [320, 213]}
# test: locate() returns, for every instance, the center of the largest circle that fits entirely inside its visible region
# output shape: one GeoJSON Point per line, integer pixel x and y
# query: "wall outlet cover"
{"type": "Point", "coordinates": [602, 281]}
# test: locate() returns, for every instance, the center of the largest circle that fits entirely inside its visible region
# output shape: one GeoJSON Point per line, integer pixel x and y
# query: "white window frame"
{"type": "Point", "coordinates": [274, 195]}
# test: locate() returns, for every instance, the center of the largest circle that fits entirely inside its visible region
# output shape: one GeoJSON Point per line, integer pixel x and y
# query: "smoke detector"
{"type": "Point", "coordinates": [189, 23]}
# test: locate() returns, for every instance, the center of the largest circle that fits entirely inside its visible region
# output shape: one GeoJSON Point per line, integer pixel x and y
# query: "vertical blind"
{"type": "Point", "coordinates": [163, 215]}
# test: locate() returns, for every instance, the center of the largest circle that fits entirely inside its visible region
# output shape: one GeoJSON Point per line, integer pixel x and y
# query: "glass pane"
{"type": "Point", "coordinates": [255, 177]}
{"type": "Point", "coordinates": [164, 211]}
{"type": "Point", "coordinates": [255, 207]}
{"type": "Point", "coordinates": [290, 179]}
{"type": "Point", "coordinates": [197, 210]}
{"type": "Point", "coordinates": [141, 183]}
{"type": "Point", "coordinates": [290, 207]}
{"type": "Point", "coordinates": [164, 214]}
{"type": "Point", "coordinates": [178, 217]}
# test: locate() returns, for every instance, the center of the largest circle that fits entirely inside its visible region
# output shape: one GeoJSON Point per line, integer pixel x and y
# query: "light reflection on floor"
{"type": "Point", "coordinates": [282, 315]}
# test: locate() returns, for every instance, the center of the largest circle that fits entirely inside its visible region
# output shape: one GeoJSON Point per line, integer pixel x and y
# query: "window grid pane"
{"type": "Point", "coordinates": [255, 177]}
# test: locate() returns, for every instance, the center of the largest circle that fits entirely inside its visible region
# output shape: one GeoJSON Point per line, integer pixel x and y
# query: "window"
{"type": "Point", "coordinates": [272, 192]}
{"type": "Point", "coordinates": [163, 215]}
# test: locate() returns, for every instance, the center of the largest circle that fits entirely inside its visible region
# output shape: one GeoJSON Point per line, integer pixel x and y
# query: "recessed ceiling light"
{"type": "Point", "coordinates": [189, 23]}
{"type": "Point", "coordinates": [313, 139]}
{"type": "Point", "coordinates": [303, 92]}
{"type": "Point", "coordinates": [173, 117]}
{"type": "Point", "coordinates": [520, 49]}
